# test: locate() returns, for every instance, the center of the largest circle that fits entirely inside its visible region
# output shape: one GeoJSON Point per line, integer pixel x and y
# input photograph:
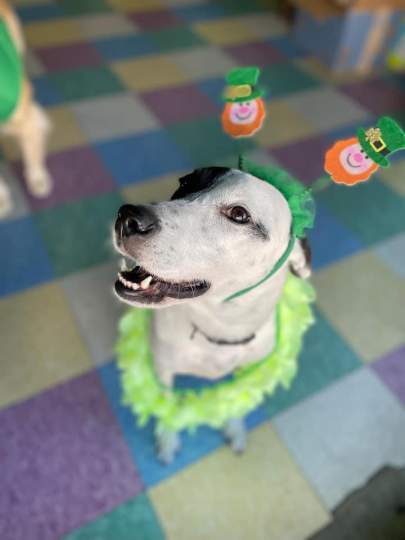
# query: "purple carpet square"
{"type": "Point", "coordinates": [179, 104]}
{"type": "Point", "coordinates": [155, 20]}
{"type": "Point", "coordinates": [391, 369]}
{"type": "Point", "coordinates": [75, 55]}
{"type": "Point", "coordinates": [303, 159]}
{"type": "Point", "coordinates": [378, 95]}
{"type": "Point", "coordinates": [261, 54]}
{"type": "Point", "coordinates": [64, 462]}
{"type": "Point", "coordinates": [76, 173]}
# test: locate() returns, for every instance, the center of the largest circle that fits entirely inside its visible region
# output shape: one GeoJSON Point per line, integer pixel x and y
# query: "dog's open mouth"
{"type": "Point", "coordinates": [138, 285]}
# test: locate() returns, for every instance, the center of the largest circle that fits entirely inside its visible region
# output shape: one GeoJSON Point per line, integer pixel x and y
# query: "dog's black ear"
{"type": "Point", "coordinates": [300, 265]}
{"type": "Point", "coordinates": [198, 180]}
{"type": "Point", "coordinates": [306, 248]}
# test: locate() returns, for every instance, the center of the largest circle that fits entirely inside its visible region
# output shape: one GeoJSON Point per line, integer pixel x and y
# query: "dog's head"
{"type": "Point", "coordinates": [222, 230]}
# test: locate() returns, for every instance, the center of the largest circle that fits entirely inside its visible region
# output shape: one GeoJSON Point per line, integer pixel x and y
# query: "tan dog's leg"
{"type": "Point", "coordinates": [5, 199]}
{"type": "Point", "coordinates": [31, 136]}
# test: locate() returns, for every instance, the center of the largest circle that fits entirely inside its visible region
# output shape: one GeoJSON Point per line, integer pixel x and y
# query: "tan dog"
{"type": "Point", "coordinates": [27, 123]}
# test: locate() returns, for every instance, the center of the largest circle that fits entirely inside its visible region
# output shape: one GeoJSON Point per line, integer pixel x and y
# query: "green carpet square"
{"type": "Point", "coordinates": [206, 143]}
{"type": "Point", "coordinates": [325, 357]}
{"type": "Point", "coordinates": [134, 520]}
{"type": "Point", "coordinates": [81, 7]}
{"type": "Point", "coordinates": [78, 235]}
{"type": "Point", "coordinates": [282, 79]}
{"type": "Point", "coordinates": [369, 209]}
{"type": "Point", "coordinates": [178, 37]}
{"type": "Point", "coordinates": [82, 83]}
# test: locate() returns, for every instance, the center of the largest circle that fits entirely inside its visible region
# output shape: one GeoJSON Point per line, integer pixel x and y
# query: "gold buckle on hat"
{"type": "Point", "coordinates": [373, 136]}
{"type": "Point", "coordinates": [239, 91]}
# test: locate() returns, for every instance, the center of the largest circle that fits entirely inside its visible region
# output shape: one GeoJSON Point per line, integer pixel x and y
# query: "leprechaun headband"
{"type": "Point", "coordinates": [301, 206]}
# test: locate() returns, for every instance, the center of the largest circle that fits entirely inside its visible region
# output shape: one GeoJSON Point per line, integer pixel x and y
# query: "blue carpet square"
{"type": "Point", "coordinates": [121, 47]}
{"type": "Point", "coordinates": [24, 260]}
{"type": "Point", "coordinates": [288, 47]}
{"type": "Point", "coordinates": [139, 157]}
{"type": "Point", "coordinates": [141, 441]}
{"type": "Point", "coordinates": [45, 92]}
{"type": "Point", "coordinates": [204, 12]}
{"type": "Point", "coordinates": [330, 240]}
{"type": "Point", "coordinates": [39, 12]}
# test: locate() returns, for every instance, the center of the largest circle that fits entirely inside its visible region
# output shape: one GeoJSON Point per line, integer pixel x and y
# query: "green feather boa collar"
{"type": "Point", "coordinates": [214, 405]}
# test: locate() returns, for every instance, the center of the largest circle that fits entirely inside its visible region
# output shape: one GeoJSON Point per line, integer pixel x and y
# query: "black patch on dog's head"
{"type": "Point", "coordinates": [199, 180]}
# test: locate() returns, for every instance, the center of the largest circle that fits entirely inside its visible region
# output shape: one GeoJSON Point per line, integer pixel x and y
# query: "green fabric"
{"type": "Point", "coordinates": [246, 75]}
{"type": "Point", "coordinates": [299, 198]}
{"type": "Point", "coordinates": [10, 74]}
{"type": "Point", "coordinates": [391, 133]}
{"type": "Point", "coordinates": [213, 406]}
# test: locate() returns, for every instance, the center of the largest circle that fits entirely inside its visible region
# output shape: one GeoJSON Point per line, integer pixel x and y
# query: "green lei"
{"type": "Point", "coordinates": [213, 405]}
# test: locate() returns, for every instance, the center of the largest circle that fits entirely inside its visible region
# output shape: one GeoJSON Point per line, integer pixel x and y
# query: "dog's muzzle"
{"type": "Point", "coordinates": [139, 285]}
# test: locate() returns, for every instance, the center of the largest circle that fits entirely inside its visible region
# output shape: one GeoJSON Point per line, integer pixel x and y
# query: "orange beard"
{"type": "Point", "coordinates": [338, 174]}
{"type": "Point", "coordinates": [243, 130]}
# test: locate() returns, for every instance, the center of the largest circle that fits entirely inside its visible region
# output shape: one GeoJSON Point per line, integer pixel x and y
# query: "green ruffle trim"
{"type": "Point", "coordinates": [299, 197]}
{"type": "Point", "coordinates": [213, 405]}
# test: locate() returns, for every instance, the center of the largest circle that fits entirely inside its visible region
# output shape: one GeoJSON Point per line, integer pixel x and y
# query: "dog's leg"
{"type": "Point", "coordinates": [235, 433]}
{"type": "Point", "coordinates": [32, 136]}
{"type": "Point", "coordinates": [5, 199]}
{"type": "Point", "coordinates": [168, 444]}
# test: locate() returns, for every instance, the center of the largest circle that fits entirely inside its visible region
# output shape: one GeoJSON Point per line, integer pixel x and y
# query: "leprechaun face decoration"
{"type": "Point", "coordinates": [354, 160]}
{"type": "Point", "coordinates": [244, 111]}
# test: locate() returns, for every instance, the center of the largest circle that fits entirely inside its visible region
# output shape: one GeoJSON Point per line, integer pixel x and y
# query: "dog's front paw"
{"type": "Point", "coordinates": [6, 203]}
{"type": "Point", "coordinates": [39, 182]}
{"type": "Point", "coordinates": [168, 444]}
{"type": "Point", "coordinates": [235, 435]}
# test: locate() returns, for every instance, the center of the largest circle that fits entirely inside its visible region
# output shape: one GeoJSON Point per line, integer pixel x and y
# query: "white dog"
{"type": "Point", "coordinates": [222, 232]}
{"type": "Point", "coordinates": [24, 119]}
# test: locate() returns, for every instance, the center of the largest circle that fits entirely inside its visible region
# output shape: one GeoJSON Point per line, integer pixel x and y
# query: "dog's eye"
{"type": "Point", "coordinates": [238, 214]}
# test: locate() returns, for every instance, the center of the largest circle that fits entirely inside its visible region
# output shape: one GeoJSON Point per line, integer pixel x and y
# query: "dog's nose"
{"type": "Point", "coordinates": [136, 220]}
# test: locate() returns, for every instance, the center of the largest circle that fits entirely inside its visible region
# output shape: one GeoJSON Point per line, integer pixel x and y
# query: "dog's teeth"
{"type": "Point", "coordinates": [146, 282]}
{"type": "Point", "coordinates": [127, 283]}
{"type": "Point", "coordinates": [123, 265]}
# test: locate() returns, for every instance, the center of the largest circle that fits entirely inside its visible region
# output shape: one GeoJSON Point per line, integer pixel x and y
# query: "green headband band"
{"type": "Point", "coordinates": [301, 205]}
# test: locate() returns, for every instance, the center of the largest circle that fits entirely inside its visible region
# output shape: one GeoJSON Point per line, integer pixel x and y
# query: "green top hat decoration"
{"type": "Point", "coordinates": [383, 140]}
{"type": "Point", "coordinates": [242, 84]}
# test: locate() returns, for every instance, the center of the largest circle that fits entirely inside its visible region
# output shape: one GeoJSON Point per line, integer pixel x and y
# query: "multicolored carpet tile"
{"type": "Point", "coordinates": [133, 89]}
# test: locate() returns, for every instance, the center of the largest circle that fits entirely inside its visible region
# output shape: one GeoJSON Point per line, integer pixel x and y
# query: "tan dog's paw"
{"type": "Point", "coordinates": [6, 203]}
{"type": "Point", "coordinates": [39, 183]}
